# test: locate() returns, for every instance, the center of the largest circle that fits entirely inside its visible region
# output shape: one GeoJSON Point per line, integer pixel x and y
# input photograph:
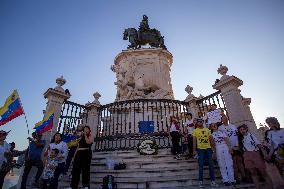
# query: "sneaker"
{"type": "Point", "coordinates": [60, 177]}
{"type": "Point", "coordinates": [68, 188]}
{"type": "Point", "coordinates": [213, 184]}
{"type": "Point", "coordinates": [178, 157]}
{"type": "Point", "coordinates": [201, 184]}
{"type": "Point", "coordinates": [86, 188]}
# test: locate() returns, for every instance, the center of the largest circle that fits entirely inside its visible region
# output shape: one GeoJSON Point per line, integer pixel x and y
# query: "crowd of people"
{"type": "Point", "coordinates": [52, 161]}
{"type": "Point", "coordinates": [240, 155]}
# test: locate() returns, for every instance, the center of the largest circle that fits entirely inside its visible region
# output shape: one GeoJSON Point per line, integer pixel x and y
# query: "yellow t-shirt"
{"type": "Point", "coordinates": [202, 137]}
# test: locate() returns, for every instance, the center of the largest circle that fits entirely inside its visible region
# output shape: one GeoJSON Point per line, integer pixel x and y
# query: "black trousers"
{"type": "Point", "coordinates": [190, 145]}
{"type": "Point", "coordinates": [175, 141]}
{"type": "Point", "coordinates": [2, 177]}
{"type": "Point", "coordinates": [59, 170]}
{"type": "Point", "coordinates": [71, 153]}
{"type": "Point", "coordinates": [81, 163]}
{"type": "Point", "coordinates": [28, 166]}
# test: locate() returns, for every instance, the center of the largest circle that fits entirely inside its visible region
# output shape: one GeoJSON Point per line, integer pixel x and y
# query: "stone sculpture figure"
{"type": "Point", "coordinates": [144, 36]}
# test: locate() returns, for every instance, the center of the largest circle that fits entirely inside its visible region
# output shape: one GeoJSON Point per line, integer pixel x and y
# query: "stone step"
{"type": "Point", "coordinates": [164, 184]}
{"type": "Point", "coordinates": [152, 182]}
{"type": "Point", "coordinates": [166, 171]}
{"type": "Point", "coordinates": [152, 164]}
{"type": "Point", "coordinates": [120, 152]}
{"type": "Point", "coordinates": [147, 161]}
{"type": "Point", "coordinates": [137, 158]}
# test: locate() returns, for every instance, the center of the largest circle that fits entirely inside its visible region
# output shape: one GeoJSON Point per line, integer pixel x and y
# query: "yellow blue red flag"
{"type": "Point", "coordinates": [46, 124]}
{"type": "Point", "coordinates": [71, 140]}
{"type": "Point", "coordinates": [11, 109]}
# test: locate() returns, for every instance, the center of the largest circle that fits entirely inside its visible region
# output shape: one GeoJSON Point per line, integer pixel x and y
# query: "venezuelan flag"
{"type": "Point", "coordinates": [11, 109]}
{"type": "Point", "coordinates": [71, 140]}
{"type": "Point", "coordinates": [46, 124]}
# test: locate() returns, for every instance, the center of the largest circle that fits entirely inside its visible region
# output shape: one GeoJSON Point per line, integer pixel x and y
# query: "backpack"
{"type": "Point", "coordinates": [108, 182]}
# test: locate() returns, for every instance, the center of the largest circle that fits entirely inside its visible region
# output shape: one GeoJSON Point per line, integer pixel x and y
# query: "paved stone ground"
{"type": "Point", "coordinates": [11, 179]}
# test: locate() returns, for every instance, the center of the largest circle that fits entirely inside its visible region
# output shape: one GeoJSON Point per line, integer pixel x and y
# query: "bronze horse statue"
{"type": "Point", "coordinates": [137, 38]}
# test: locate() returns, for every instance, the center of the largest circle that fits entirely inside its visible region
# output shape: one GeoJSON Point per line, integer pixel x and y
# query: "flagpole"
{"type": "Point", "coordinates": [24, 114]}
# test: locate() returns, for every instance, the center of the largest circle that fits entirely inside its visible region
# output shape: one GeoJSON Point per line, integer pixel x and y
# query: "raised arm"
{"type": "Point", "coordinates": [89, 139]}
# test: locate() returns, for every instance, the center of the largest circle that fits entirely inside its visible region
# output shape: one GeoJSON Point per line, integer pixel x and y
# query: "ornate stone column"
{"type": "Point", "coordinates": [237, 108]}
{"type": "Point", "coordinates": [55, 98]}
{"type": "Point", "coordinates": [191, 99]}
{"type": "Point", "coordinates": [93, 114]}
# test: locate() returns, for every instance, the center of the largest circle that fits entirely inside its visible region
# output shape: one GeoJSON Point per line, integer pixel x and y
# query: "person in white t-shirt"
{"type": "Point", "coordinates": [223, 150]}
{"type": "Point", "coordinates": [275, 138]}
{"type": "Point", "coordinates": [189, 128]}
{"type": "Point", "coordinates": [251, 148]}
{"type": "Point", "coordinates": [231, 131]}
{"type": "Point", "coordinates": [4, 150]}
{"type": "Point", "coordinates": [57, 143]}
{"type": "Point", "coordinates": [214, 115]}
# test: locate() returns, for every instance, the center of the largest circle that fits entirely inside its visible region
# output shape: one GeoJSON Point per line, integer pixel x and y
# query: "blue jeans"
{"type": "Point", "coordinates": [202, 155]}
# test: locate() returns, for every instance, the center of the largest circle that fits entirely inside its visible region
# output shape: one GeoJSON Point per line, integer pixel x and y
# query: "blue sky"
{"type": "Point", "coordinates": [41, 40]}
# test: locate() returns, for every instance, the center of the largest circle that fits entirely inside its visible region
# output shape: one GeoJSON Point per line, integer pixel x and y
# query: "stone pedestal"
{"type": "Point", "coordinates": [93, 113]}
{"type": "Point", "coordinates": [55, 101]}
{"type": "Point", "coordinates": [143, 73]}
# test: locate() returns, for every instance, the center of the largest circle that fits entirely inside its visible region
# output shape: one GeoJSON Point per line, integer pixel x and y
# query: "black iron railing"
{"type": "Point", "coordinates": [205, 103]}
{"type": "Point", "coordinates": [71, 116]}
{"type": "Point", "coordinates": [118, 123]}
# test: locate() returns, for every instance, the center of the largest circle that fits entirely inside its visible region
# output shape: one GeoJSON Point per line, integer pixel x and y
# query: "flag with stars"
{"type": "Point", "coordinates": [11, 109]}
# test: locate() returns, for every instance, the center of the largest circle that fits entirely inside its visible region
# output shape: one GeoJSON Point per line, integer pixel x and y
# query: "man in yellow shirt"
{"type": "Point", "coordinates": [202, 142]}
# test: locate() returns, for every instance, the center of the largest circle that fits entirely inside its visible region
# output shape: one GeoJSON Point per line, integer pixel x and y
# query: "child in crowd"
{"type": "Point", "coordinates": [202, 141]}
{"type": "Point", "coordinates": [223, 151]}
{"type": "Point", "coordinates": [200, 115]}
{"type": "Point", "coordinates": [231, 131]}
{"type": "Point", "coordinates": [190, 128]}
{"type": "Point", "coordinates": [214, 115]}
{"type": "Point", "coordinates": [176, 136]}
{"type": "Point", "coordinates": [251, 147]}
{"type": "Point", "coordinates": [49, 168]}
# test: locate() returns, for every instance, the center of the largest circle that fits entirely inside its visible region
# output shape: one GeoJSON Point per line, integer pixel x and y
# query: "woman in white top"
{"type": "Point", "coordinates": [57, 143]}
{"type": "Point", "coordinates": [275, 139]}
{"type": "Point", "coordinates": [4, 151]}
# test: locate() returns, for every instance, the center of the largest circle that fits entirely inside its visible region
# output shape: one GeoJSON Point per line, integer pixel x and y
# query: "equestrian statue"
{"type": "Point", "coordinates": [143, 36]}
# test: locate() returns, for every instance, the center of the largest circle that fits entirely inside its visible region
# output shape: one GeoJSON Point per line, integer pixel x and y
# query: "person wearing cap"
{"type": "Point", "coordinates": [35, 150]}
{"type": "Point", "coordinates": [202, 141]}
{"type": "Point", "coordinates": [4, 152]}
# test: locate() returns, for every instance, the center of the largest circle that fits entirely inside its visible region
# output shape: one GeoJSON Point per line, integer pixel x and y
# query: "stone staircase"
{"type": "Point", "coordinates": [147, 171]}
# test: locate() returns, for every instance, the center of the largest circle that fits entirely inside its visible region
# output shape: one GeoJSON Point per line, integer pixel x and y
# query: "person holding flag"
{"type": "Point", "coordinates": [35, 149]}
{"type": "Point", "coordinates": [36, 146]}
